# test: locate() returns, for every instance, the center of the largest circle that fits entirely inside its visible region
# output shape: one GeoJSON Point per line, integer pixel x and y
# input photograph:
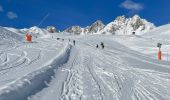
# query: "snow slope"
{"type": "Point", "coordinates": [162, 32]}
{"type": "Point", "coordinates": [116, 73]}
{"type": "Point", "coordinates": [34, 81]}
{"type": "Point", "coordinates": [51, 69]}
{"type": "Point", "coordinates": [147, 43]}
{"type": "Point", "coordinates": [8, 35]}
{"type": "Point", "coordinates": [24, 66]}
{"type": "Point", "coordinates": [35, 31]}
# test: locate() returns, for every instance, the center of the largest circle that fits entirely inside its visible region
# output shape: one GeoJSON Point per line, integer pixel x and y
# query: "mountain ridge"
{"type": "Point", "coordinates": [119, 26]}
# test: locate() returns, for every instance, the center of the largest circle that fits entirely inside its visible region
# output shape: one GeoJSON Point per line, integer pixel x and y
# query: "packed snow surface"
{"type": "Point", "coordinates": [52, 68]}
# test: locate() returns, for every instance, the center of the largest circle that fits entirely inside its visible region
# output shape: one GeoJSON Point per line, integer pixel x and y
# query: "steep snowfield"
{"type": "Point", "coordinates": [8, 35]}
{"type": "Point", "coordinates": [116, 73]}
{"type": "Point", "coordinates": [147, 43]}
{"type": "Point", "coordinates": [24, 66]}
{"type": "Point", "coordinates": [17, 31]}
{"type": "Point", "coordinates": [162, 32]}
{"type": "Point", "coordinates": [49, 68]}
{"type": "Point", "coordinates": [35, 31]}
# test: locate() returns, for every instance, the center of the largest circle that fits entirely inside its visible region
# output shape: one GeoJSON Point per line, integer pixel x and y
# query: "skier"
{"type": "Point", "coordinates": [74, 42]}
{"type": "Point", "coordinates": [102, 44]}
{"type": "Point", "coordinates": [97, 46]}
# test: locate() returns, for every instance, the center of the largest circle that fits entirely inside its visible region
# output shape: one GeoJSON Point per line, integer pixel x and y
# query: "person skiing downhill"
{"type": "Point", "coordinates": [74, 42]}
{"type": "Point", "coordinates": [102, 44]}
{"type": "Point", "coordinates": [97, 46]}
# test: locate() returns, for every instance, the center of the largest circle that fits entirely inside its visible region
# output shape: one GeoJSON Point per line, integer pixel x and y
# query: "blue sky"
{"type": "Point", "coordinates": [66, 13]}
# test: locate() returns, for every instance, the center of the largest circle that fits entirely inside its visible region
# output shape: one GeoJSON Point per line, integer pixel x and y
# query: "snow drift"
{"type": "Point", "coordinates": [8, 35]}
{"type": "Point", "coordinates": [35, 81]}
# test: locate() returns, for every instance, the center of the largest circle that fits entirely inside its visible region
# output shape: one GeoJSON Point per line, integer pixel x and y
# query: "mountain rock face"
{"type": "Point", "coordinates": [52, 29]}
{"type": "Point", "coordinates": [126, 26]}
{"type": "Point", "coordinates": [34, 31]}
{"type": "Point", "coordinates": [39, 32]}
{"type": "Point", "coordinates": [96, 27]}
{"type": "Point", "coordinates": [93, 29]}
{"type": "Point", "coordinates": [76, 30]}
{"type": "Point", "coordinates": [120, 26]}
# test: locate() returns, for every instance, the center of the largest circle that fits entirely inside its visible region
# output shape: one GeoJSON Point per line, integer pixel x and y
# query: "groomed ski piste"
{"type": "Point", "coordinates": [51, 69]}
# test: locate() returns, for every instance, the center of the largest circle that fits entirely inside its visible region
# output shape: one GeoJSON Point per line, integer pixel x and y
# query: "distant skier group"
{"type": "Point", "coordinates": [101, 44]}
{"type": "Point", "coordinates": [74, 42]}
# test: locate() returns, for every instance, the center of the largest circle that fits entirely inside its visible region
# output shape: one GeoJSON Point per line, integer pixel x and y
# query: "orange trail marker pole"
{"type": "Point", "coordinates": [28, 37]}
{"type": "Point", "coordinates": [159, 55]}
{"type": "Point", "coordinates": [159, 52]}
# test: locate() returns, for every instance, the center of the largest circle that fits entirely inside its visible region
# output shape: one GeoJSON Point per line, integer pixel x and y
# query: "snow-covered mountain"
{"type": "Point", "coordinates": [95, 27]}
{"type": "Point", "coordinates": [17, 31]}
{"type": "Point", "coordinates": [162, 32]}
{"type": "Point", "coordinates": [120, 26]}
{"type": "Point", "coordinates": [52, 29]}
{"type": "Point", "coordinates": [125, 69]}
{"type": "Point", "coordinates": [76, 30]}
{"type": "Point", "coordinates": [35, 31]}
{"type": "Point", "coordinates": [9, 35]}
{"type": "Point", "coordinates": [126, 26]}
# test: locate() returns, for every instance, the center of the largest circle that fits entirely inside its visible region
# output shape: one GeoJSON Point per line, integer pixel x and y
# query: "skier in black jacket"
{"type": "Point", "coordinates": [97, 46]}
{"type": "Point", "coordinates": [74, 42]}
{"type": "Point", "coordinates": [102, 44]}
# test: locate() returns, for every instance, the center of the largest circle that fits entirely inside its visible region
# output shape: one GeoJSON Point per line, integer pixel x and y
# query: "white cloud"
{"type": "Point", "coordinates": [12, 15]}
{"type": "Point", "coordinates": [1, 9]}
{"type": "Point", "coordinates": [130, 5]}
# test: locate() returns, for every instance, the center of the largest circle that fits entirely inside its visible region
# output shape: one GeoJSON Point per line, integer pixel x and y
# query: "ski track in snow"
{"type": "Point", "coordinates": [86, 73]}
{"type": "Point", "coordinates": [23, 55]}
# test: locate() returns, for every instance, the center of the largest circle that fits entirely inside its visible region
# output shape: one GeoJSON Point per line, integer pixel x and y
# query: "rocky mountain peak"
{"type": "Point", "coordinates": [77, 30]}
{"type": "Point", "coordinates": [126, 26]}
{"type": "Point", "coordinates": [96, 27]}
{"type": "Point", "coordinates": [120, 26]}
{"type": "Point", "coordinates": [136, 17]}
{"type": "Point", "coordinates": [52, 29]}
{"type": "Point", "coordinates": [120, 19]}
